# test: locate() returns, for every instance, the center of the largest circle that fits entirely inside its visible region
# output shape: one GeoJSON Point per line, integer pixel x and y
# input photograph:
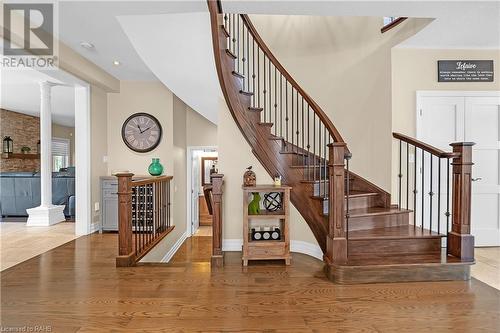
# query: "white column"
{"type": "Point", "coordinates": [46, 214]}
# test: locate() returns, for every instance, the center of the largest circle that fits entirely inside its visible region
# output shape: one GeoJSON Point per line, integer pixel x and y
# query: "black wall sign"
{"type": "Point", "coordinates": [465, 71]}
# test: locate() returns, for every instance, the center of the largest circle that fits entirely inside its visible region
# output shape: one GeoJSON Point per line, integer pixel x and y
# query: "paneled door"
{"type": "Point", "coordinates": [482, 126]}
{"type": "Point", "coordinates": [455, 116]}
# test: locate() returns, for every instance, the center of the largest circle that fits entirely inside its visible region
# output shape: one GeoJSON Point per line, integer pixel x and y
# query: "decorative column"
{"type": "Point", "coordinates": [46, 214]}
{"type": "Point", "coordinates": [126, 254]}
{"type": "Point", "coordinates": [460, 241]}
{"type": "Point", "coordinates": [336, 240]}
{"type": "Point", "coordinates": [217, 254]}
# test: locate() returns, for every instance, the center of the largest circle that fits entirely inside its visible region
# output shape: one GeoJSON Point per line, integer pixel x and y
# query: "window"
{"type": "Point", "coordinates": [60, 153]}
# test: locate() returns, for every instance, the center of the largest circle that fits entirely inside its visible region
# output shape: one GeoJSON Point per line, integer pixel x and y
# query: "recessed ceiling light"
{"type": "Point", "coordinates": [87, 45]}
{"type": "Point", "coordinates": [116, 63]}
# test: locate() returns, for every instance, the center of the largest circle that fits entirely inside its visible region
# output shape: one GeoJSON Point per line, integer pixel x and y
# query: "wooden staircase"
{"type": "Point", "coordinates": [352, 219]}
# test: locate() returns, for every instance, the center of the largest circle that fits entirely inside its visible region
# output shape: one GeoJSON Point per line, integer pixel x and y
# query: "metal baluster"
{"type": "Point", "coordinates": [439, 197]}
{"type": "Point", "coordinates": [168, 203]}
{"type": "Point", "coordinates": [423, 186]}
{"type": "Point", "coordinates": [286, 110]}
{"type": "Point", "coordinates": [293, 133]}
{"type": "Point", "coordinates": [447, 196]}
{"type": "Point", "coordinates": [314, 144]}
{"type": "Point", "coordinates": [238, 44]}
{"type": "Point", "coordinates": [134, 218]}
{"type": "Point", "coordinates": [243, 60]}
{"type": "Point", "coordinates": [264, 91]}
{"type": "Point", "coordinates": [302, 148]}
{"type": "Point", "coordinates": [270, 94]}
{"type": "Point", "coordinates": [297, 110]}
{"type": "Point", "coordinates": [407, 175]}
{"type": "Point", "coordinates": [348, 193]}
{"type": "Point", "coordinates": [415, 191]}
{"type": "Point", "coordinates": [253, 71]}
{"type": "Point", "coordinates": [324, 161]}
{"type": "Point", "coordinates": [275, 128]}
{"type": "Point", "coordinates": [258, 75]}
{"type": "Point", "coordinates": [431, 195]}
{"type": "Point", "coordinates": [234, 40]}
{"type": "Point", "coordinates": [400, 176]}
{"type": "Point", "coordinates": [281, 105]}
{"type": "Point", "coordinates": [248, 60]}
{"type": "Point", "coordinates": [308, 143]}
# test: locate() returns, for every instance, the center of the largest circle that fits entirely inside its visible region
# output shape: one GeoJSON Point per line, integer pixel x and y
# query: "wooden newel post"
{"type": "Point", "coordinates": [217, 255]}
{"type": "Point", "coordinates": [125, 250]}
{"type": "Point", "coordinates": [336, 242]}
{"type": "Point", "coordinates": [460, 241]}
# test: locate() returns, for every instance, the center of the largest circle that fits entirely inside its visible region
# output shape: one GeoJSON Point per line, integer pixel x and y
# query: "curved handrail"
{"type": "Point", "coordinates": [316, 108]}
{"type": "Point", "coordinates": [422, 145]}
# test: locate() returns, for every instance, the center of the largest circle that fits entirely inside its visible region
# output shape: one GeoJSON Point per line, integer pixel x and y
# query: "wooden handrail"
{"type": "Point", "coordinates": [151, 180]}
{"type": "Point", "coordinates": [393, 24]}
{"type": "Point", "coordinates": [207, 193]}
{"type": "Point", "coordinates": [316, 108]}
{"type": "Point", "coordinates": [428, 148]}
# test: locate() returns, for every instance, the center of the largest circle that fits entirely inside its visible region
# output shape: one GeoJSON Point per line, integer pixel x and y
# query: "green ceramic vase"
{"type": "Point", "coordinates": [254, 205]}
{"type": "Point", "coordinates": [155, 168]}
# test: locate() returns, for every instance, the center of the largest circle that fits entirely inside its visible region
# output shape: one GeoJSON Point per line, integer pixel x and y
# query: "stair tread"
{"type": "Point", "coordinates": [403, 259]}
{"type": "Point", "coordinates": [266, 124]}
{"type": "Point", "coordinates": [251, 108]}
{"type": "Point", "coordinates": [224, 30]}
{"type": "Point", "coordinates": [274, 137]}
{"type": "Point", "coordinates": [248, 93]}
{"type": "Point", "coordinates": [294, 153]}
{"type": "Point", "coordinates": [399, 232]}
{"type": "Point", "coordinates": [237, 74]}
{"type": "Point", "coordinates": [309, 166]}
{"type": "Point", "coordinates": [231, 54]}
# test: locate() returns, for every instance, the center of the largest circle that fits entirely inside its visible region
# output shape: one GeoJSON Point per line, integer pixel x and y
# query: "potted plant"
{"type": "Point", "coordinates": [25, 150]}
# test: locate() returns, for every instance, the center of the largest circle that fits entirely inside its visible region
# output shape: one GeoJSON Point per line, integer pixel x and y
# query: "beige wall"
{"type": "Point", "coordinates": [190, 129]}
{"type": "Point", "coordinates": [149, 97]}
{"type": "Point", "coordinates": [344, 64]}
{"type": "Point", "coordinates": [416, 69]}
{"type": "Point", "coordinates": [235, 156]}
{"type": "Point", "coordinates": [99, 150]}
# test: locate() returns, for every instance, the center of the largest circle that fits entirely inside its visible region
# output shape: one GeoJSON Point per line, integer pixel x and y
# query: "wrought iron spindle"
{"type": "Point", "coordinates": [407, 175]}
{"type": "Point", "coordinates": [238, 44]}
{"type": "Point", "coordinates": [431, 195]}
{"type": "Point", "coordinates": [264, 91]}
{"type": "Point", "coordinates": [447, 196]}
{"type": "Point", "coordinates": [439, 197]}
{"type": "Point", "coordinates": [415, 191]}
{"type": "Point", "coordinates": [400, 175]}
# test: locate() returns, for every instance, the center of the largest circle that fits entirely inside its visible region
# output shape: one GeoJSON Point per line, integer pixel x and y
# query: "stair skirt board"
{"type": "Point", "coordinates": [173, 250]}
{"type": "Point", "coordinates": [296, 246]}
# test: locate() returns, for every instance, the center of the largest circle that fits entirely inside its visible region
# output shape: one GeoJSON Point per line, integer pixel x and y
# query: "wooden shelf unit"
{"type": "Point", "coordinates": [23, 156]}
{"type": "Point", "coordinates": [266, 249]}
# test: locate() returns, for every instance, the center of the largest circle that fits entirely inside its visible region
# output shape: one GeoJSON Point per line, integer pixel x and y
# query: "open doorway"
{"type": "Point", "coordinates": [202, 162]}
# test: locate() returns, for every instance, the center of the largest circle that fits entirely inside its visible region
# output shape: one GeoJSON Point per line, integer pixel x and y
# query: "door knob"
{"type": "Point", "coordinates": [476, 179]}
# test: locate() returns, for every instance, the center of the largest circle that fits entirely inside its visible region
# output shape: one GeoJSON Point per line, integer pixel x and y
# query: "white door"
{"type": "Point", "coordinates": [195, 192]}
{"type": "Point", "coordinates": [482, 126]}
{"type": "Point", "coordinates": [442, 120]}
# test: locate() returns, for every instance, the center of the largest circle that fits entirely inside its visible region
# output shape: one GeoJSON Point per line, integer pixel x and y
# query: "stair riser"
{"type": "Point", "coordinates": [378, 221]}
{"type": "Point", "coordinates": [395, 246]}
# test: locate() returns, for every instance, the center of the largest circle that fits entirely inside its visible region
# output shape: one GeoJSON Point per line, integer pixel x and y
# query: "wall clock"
{"type": "Point", "coordinates": [141, 132]}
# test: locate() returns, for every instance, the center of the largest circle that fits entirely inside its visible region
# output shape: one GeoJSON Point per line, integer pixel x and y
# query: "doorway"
{"type": "Point", "coordinates": [445, 117]}
{"type": "Point", "coordinates": [201, 162]}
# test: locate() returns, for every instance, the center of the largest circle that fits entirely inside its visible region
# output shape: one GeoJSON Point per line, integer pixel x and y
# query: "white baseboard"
{"type": "Point", "coordinates": [174, 248]}
{"type": "Point", "coordinates": [94, 227]}
{"type": "Point", "coordinates": [297, 246]}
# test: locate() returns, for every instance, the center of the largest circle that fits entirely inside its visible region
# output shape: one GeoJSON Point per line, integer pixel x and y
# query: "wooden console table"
{"type": "Point", "coordinates": [267, 249]}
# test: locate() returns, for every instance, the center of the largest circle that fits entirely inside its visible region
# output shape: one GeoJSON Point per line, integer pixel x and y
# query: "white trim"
{"type": "Point", "coordinates": [174, 248]}
{"type": "Point", "coordinates": [189, 171]}
{"type": "Point", "coordinates": [296, 246]}
{"type": "Point", "coordinates": [94, 227]}
{"type": "Point", "coordinates": [83, 183]}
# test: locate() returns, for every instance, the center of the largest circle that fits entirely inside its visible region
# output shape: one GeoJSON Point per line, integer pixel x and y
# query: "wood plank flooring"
{"type": "Point", "coordinates": [77, 288]}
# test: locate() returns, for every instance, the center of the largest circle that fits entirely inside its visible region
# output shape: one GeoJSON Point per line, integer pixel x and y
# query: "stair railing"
{"type": "Point", "coordinates": [436, 185]}
{"type": "Point", "coordinates": [296, 117]}
{"type": "Point", "coordinates": [144, 216]}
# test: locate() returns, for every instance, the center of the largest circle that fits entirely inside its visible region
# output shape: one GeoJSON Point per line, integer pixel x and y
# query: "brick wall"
{"type": "Point", "coordinates": [24, 130]}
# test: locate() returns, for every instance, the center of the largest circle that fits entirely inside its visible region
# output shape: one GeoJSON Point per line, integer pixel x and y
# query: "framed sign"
{"type": "Point", "coordinates": [208, 165]}
{"type": "Point", "coordinates": [465, 71]}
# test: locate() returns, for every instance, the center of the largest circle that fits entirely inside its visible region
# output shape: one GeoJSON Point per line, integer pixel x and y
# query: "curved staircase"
{"type": "Point", "coordinates": [352, 219]}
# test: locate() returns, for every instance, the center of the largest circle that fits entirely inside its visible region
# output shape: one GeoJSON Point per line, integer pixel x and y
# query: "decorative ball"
{"type": "Point", "coordinates": [272, 201]}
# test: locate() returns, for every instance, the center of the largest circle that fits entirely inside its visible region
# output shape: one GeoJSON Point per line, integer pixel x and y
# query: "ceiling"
{"type": "Point", "coordinates": [20, 92]}
{"type": "Point", "coordinates": [96, 22]}
{"type": "Point", "coordinates": [170, 40]}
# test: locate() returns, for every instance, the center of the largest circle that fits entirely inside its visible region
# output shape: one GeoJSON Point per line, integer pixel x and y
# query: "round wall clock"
{"type": "Point", "coordinates": [141, 132]}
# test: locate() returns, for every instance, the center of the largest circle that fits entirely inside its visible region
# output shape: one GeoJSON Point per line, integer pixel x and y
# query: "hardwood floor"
{"type": "Point", "coordinates": [487, 267]}
{"type": "Point", "coordinates": [20, 243]}
{"type": "Point", "coordinates": [77, 288]}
